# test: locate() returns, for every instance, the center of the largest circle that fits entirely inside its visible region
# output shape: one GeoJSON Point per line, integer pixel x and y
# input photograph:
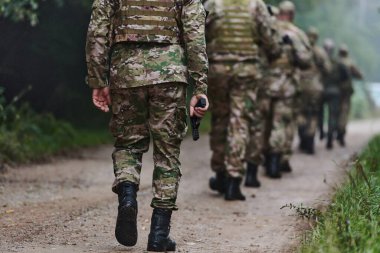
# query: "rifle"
{"type": "Point", "coordinates": [195, 121]}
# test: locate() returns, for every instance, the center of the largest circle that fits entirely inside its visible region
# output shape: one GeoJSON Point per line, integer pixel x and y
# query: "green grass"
{"type": "Point", "coordinates": [352, 221]}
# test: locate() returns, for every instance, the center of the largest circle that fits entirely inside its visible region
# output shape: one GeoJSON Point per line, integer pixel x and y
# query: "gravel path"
{"type": "Point", "coordinates": [68, 206]}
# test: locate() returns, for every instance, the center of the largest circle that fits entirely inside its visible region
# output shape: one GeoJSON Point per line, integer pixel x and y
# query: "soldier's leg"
{"type": "Point", "coordinates": [344, 115]}
{"type": "Point", "coordinates": [321, 116]}
{"type": "Point", "coordinates": [312, 112]}
{"type": "Point", "coordinates": [333, 105]}
{"type": "Point", "coordinates": [128, 126]}
{"type": "Point", "coordinates": [219, 79]}
{"type": "Point", "coordinates": [302, 120]}
{"type": "Point", "coordinates": [267, 125]}
{"type": "Point", "coordinates": [168, 126]}
{"type": "Point", "coordinates": [220, 109]}
{"type": "Point", "coordinates": [254, 155]}
{"type": "Point", "coordinates": [237, 137]}
{"type": "Point", "coordinates": [282, 135]}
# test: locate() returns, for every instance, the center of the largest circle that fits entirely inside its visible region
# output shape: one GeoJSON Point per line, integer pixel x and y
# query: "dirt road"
{"type": "Point", "coordinates": [67, 205]}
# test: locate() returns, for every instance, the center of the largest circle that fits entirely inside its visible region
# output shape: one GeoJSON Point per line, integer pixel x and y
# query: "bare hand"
{"type": "Point", "coordinates": [101, 98]}
{"type": "Point", "coordinates": [198, 111]}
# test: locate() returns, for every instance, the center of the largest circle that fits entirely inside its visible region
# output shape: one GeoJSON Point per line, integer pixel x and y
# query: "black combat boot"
{"type": "Point", "coordinates": [233, 191]}
{"type": "Point", "coordinates": [251, 176]}
{"type": "Point", "coordinates": [310, 145]}
{"type": "Point", "coordinates": [159, 240]}
{"type": "Point", "coordinates": [217, 183]}
{"type": "Point", "coordinates": [285, 167]}
{"type": "Point", "coordinates": [340, 138]}
{"type": "Point", "coordinates": [329, 144]}
{"type": "Point", "coordinates": [302, 137]}
{"type": "Point", "coordinates": [273, 168]}
{"type": "Point", "coordinates": [126, 223]}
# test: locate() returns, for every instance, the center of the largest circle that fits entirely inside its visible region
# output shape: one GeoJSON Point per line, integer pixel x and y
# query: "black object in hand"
{"type": "Point", "coordinates": [195, 121]}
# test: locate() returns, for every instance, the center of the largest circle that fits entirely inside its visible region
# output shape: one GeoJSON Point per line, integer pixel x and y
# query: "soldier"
{"type": "Point", "coordinates": [139, 55]}
{"type": "Point", "coordinates": [311, 94]}
{"type": "Point", "coordinates": [346, 91]}
{"type": "Point", "coordinates": [332, 96]}
{"type": "Point", "coordinates": [234, 29]}
{"type": "Point", "coordinates": [280, 92]}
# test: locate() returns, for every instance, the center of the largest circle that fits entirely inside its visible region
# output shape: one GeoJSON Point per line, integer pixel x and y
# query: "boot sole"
{"type": "Point", "coordinates": [126, 226]}
{"type": "Point", "coordinates": [161, 249]}
{"type": "Point", "coordinates": [254, 185]}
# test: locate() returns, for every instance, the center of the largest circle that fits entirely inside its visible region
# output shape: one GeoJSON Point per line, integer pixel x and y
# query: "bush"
{"type": "Point", "coordinates": [28, 136]}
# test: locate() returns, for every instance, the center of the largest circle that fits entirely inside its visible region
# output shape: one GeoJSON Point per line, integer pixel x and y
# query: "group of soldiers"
{"type": "Point", "coordinates": [259, 97]}
{"type": "Point", "coordinates": [265, 76]}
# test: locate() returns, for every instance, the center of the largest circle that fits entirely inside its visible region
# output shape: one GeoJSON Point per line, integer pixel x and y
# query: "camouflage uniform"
{"type": "Point", "coordinates": [234, 79]}
{"type": "Point", "coordinates": [346, 89]}
{"type": "Point", "coordinates": [282, 86]}
{"type": "Point", "coordinates": [145, 52]}
{"type": "Point", "coordinates": [311, 90]}
{"type": "Point", "coordinates": [332, 94]}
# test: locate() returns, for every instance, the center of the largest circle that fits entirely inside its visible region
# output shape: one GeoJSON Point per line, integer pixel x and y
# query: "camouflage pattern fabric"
{"type": "Point", "coordinates": [158, 111]}
{"type": "Point", "coordinates": [283, 74]}
{"type": "Point", "coordinates": [282, 85]}
{"type": "Point", "coordinates": [311, 90]}
{"type": "Point", "coordinates": [278, 124]}
{"type": "Point", "coordinates": [236, 23]}
{"type": "Point", "coordinates": [244, 119]}
{"type": "Point", "coordinates": [219, 91]}
{"type": "Point", "coordinates": [228, 97]}
{"type": "Point", "coordinates": [133, 64]}
{"type": "Point", "coordinates": [346, 91]}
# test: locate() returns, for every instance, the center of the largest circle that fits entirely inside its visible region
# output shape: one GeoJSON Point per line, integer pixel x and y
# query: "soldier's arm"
{"type": "Point", "coordinates": [193, 19]}
{"type": "Point", "coordinates": [302, 53]}
{"type": "Point", "coordinates": [98, 43]}
{"type": "Point", "coordinates": [322, 61]}
{"type": "Point", "coordinates": [355, 72]}
{"type": "Point", "coordinates": [268, 36]}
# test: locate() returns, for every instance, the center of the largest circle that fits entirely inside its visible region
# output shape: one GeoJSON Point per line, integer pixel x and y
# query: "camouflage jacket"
{"type": "Point", "coordinates": [311, 79]}
{"type": "Point", "coordinates": [133, 64]}
{"type": "Point", "coordinates": [353, 73]}
{"type": "Point", "coordinates": [239, 25]}
{"type": "Point", "coordinates": [282, 77]}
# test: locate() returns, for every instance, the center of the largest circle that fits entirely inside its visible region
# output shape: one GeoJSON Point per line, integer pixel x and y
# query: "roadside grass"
{"type": "Point", "coordinates": [352, 221]}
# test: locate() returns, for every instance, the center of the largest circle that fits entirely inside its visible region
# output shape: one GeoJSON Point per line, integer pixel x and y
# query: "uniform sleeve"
{"type": "Point", "coordinates": [322, 61]}
{"type": "Point", "coordinates": [302, 52]}
{"type": "Point", "coordinates": [193, 19]}
{"type": "Point", "coordinates": [269, 38]}
{"type": "Point", "coordinates": [98, 43]}
{"type": "Point", "coordinates": [355, 72]}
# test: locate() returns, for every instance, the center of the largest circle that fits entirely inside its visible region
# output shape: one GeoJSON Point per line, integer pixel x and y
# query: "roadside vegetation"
{"type": "Point", "coordinates": [29, 136]}
{"type": "Point", "coordinates": [352, 221]}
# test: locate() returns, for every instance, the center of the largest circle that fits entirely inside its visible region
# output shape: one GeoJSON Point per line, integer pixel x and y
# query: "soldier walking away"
{"type": "Point", "coordinates": [139, 57]}
{"type": "Point", "coordinates": [332, 95]}
{"type": "Point", "coordinates": [346, 91]}
{"type": "Point", "coordinates": [279, 96]}
{"type": "Point", "coordinates": [233, 30]}
{"type": "Point", "coordinates": [311, 90]}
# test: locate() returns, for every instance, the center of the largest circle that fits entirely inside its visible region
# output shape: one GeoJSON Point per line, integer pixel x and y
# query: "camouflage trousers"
{"type": "Point", "coordinates": [139, 114]}
{"type": "Point", "coordinates": [244, 135]}
{"type": "Point", "coordinates": [279, 125]}
{"type": "Point", "coordinates": [307, 117]}
{"type": "Point", "coordinates": [219, 87]}
{"type": "Point", "coordinates": [344, 113]}
{"type": "Point", "coordinates": [332, 101]}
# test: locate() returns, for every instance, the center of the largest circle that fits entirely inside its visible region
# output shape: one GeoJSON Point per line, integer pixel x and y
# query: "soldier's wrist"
{"type": "Point", "coordinates": [95, 83]}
